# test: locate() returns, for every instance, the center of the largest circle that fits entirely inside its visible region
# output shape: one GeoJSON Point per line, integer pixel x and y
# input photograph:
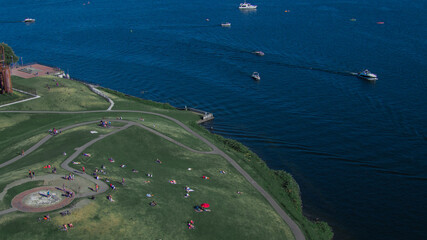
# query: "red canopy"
{"type": "Point", "coordinates": [205, 205]}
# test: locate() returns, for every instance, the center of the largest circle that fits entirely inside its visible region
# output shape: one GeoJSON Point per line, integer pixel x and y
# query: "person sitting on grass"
{"type": "Point", "coordinates": [158, 161]}
{"type": "Point", "coordinates": [109, 197]}
{"type": "Point", "coordinates": [153, 203]}
{"type": "Point", "coordinates": [190, 224]}
{"type": "Point", "coordinates": [70, 225]}
{"type": "Point", "coordinates": [64, 227]}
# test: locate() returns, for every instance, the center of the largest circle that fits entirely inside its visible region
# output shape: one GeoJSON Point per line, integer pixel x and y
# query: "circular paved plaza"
{"type": "Point", "coordinates": [41, 199]}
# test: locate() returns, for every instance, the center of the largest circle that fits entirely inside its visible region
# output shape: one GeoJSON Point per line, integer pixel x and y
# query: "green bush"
{"type": "Point", "coordinates": [9, 54]}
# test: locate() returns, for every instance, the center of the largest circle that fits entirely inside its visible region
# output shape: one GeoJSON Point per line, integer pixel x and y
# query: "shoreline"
{"type": "Point", "coordinates": [282, 179]}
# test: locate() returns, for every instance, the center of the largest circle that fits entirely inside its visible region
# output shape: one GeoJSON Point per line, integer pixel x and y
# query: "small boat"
{"type": "Point", "coordinates": [227, 24]}
{"type": "Point", "coordinates": [259, 53]}
{"type": "Point", "coordinates": [246, 5]}
{"type": "Point", "coordinates": [366, 74]}
{"type": "Point", "coordinates": [29, 20]}
{"type": "Point", "coordinates": [256, 76]}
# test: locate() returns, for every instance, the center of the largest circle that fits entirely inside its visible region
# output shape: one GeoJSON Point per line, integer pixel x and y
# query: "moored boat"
{"type": "Point", "coordinates": [227, 24]}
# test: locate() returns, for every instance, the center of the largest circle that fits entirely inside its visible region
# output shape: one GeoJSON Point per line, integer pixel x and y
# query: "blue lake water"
{"type": "Point", "coordinates": [357, 149]}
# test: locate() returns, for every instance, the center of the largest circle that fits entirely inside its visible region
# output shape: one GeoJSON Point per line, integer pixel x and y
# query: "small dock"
{"type": "Point", "coordinates": [205, 116]}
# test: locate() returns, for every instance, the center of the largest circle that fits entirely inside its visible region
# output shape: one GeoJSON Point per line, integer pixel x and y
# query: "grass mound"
{"type": "Point", "coordinates": [58, 94]}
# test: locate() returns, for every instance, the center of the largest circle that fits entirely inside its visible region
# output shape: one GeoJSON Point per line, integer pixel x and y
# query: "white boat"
{"type": "Point", "coordinates": [256, 76]}
{"type": "Point", "coordinates": [366, 74]}
{"type": "Point", "coordinates": [259, 53]}
{"type": "Point", "coordinates": [227, 24]}
{"type": "Point", "coordinates": [246, 5]}
{"type": "Point", "coordinates": [28, 20]}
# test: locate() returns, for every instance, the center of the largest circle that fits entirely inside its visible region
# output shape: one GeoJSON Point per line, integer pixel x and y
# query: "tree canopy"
{"type": "Point", "coordinates": [9, 54]}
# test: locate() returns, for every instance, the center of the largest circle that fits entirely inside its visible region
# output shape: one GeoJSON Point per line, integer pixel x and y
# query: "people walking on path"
{"type": "Point", "coordinates": [83, 169]}
{"type": "Point", "coordinates": [22, 152]}
{"type": "Point", "coordinates": [96, 187]}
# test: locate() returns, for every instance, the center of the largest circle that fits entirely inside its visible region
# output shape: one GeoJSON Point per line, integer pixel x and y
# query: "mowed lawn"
{"type": "Point", "coordinates": [12, 97]}
{"type": "Point", "coordinates": [233, 216]}
{"type": "Point", "coordinates": [58, 94]}
{"type": "Point", "coordinates": [51, 153]}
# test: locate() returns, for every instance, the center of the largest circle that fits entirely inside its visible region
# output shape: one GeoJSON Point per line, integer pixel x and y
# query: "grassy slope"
{"type": "Point", "coordinates": [281, 185]}
{"type": "Point", "coordinates": [220, 191]}
{"type": "Point", "coordinates": [18, 131]}
{"type": "Point", "coordinates": [13, 97]}
{"type": "Point", "coordinates": [67, 96]}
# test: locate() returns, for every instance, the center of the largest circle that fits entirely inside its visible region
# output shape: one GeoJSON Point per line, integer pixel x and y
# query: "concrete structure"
{"type": "Point", "coordinates": [36, 70]}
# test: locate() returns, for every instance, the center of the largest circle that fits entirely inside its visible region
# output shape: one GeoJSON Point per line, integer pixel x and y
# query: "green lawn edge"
{"type": "Point", "coordinates": [280, 184]}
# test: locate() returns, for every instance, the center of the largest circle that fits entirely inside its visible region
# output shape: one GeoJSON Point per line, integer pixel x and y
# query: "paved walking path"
{"type": "Point", "coordinates": [100, 93]}
{"type": "Point", "coordinates": [103, 187]}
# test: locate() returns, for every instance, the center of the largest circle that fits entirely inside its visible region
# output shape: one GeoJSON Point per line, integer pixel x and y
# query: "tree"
{"type": "Point", "coordinates": [9, 54]}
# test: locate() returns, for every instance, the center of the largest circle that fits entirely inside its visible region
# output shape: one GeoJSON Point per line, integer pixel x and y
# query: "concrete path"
{"type": "Point", "coordinates": [25, 180]}
{"type": "Point", "coordinates": [103, 187]}
{"type": "Point", "coordinates": [100, 93]}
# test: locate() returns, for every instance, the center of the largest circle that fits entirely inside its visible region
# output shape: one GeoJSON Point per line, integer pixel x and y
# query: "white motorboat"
{"type": "Point", "coordinates": [246, 5]}
{"type": "Point", "coordinates": [227, 24]}
{"type": "Point", "coordinates": [256, 76]}
{"type": "Point", "coordinates": [259, 53]}
{"type": "Point", "coordinates": [366, 74]}
{"type": "Point", "coordinates": [29, 20]}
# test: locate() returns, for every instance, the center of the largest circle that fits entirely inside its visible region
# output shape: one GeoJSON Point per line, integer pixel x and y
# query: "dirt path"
{"type": "Point", "coordinates": [103, 187]}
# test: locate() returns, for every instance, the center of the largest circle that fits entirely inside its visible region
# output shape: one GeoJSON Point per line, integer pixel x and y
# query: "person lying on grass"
{"type": "Point", "coordinates": [201, 209]}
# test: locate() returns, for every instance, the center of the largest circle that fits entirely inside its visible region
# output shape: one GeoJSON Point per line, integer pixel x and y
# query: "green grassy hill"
{"type": "Point", "coordinates": [233, 215]}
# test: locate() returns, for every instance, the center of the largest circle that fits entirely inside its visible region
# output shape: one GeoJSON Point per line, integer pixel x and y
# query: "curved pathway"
{"type": "Point", "coordinates": [103, 187]}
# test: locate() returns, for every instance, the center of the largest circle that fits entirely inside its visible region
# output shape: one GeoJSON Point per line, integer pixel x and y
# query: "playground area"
{"type": "Point", "coordinates": [35, 70]}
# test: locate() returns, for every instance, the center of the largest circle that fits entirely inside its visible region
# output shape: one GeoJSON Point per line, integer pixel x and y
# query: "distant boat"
{"type": "Point", "coordinates": [246, 5]}
{"type": "Point", "coordinates": [227, 24]}
{"type": "Point", "coordinates": [259, 53]}
{"type": "Point", "coordinates": [29, 20]}
{"type": "Point", "coordinates": [366, 74]}
{"type": "Point", "coordinates": [255, 75]}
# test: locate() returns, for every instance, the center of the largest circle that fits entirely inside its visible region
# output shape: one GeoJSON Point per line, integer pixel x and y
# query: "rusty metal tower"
{"type": "Point", "coordinates": [5, 81]}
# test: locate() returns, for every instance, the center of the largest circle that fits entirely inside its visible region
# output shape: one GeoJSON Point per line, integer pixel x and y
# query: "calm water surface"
{"type": "Point", "coordinates": [357, 149]}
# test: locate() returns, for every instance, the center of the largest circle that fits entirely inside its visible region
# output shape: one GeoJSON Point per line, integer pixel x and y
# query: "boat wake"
{"type": "Point", "coordinates": [11, 21]}
{"type": "Point", "coordinates": [344, 73]}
